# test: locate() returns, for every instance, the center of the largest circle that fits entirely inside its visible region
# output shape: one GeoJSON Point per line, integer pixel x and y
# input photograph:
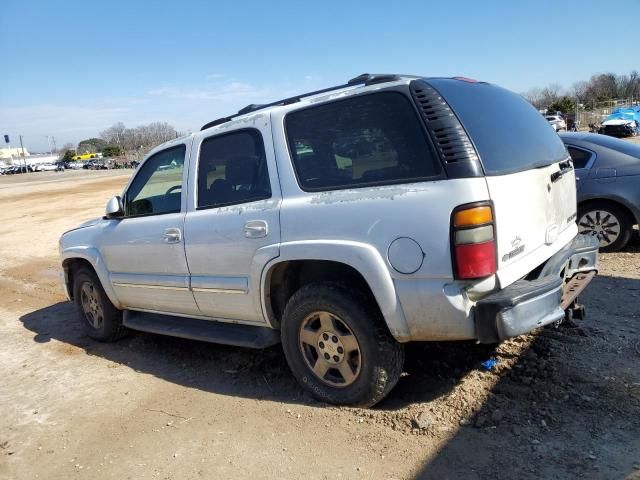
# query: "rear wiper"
{"type": "Point", "coordinates": [565, 167]}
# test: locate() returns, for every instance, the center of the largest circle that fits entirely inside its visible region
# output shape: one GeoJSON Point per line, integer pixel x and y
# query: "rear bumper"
{"type": "Point", "coordinates": [528, 304]}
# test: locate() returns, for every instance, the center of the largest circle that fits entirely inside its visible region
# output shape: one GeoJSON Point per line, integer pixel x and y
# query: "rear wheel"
{"type": "Point", "coordinates": [609, 223]}
{"type": "Point", "coordinates": [100, 319]}
{"type": "Point", "coordinates": [339, 348]}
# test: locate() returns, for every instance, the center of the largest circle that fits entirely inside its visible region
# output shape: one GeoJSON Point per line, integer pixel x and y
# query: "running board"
{"type": "Point", "coordinates": [204, 330]}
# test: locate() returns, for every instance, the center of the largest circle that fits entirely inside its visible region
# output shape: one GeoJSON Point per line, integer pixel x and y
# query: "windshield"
{"type": "Point", "coordinates": [510, 135]}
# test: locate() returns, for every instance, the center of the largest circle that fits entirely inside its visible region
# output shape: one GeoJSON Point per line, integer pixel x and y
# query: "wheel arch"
{"type": "Point", "coordinates": [73, 259]}
{"type": "Point", "coordinates": [633, 214]}
{"type": "Point", "coordinates": [301, 263]}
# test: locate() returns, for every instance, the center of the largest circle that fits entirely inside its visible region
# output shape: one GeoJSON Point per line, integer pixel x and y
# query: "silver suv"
{"type": "Point", "coordinates": [343, 223]}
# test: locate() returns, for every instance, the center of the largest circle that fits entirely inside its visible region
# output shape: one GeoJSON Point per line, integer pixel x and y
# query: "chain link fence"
{"type": "Point", "coordinates": [596, 112]}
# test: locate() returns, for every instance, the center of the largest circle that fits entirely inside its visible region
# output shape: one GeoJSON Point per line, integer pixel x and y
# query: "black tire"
{"type": "Point", "coordinates": [380, 356]}
{"type": "Point", "coordinates": [622, 217]}
{"type": "Point", "coordinates": [105, 327]}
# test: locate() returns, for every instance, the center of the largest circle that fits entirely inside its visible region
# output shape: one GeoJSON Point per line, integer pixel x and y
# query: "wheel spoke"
{"type": "Point", "coordinates": [321, 367]}
{"type": "Point", "coordinates": [349, 341]}
{"type": "Point", "coordinates": [309, 337]}
{"type": "Point", "coordinates": [590, 220]}
{"type": "Point", "coordinates": [346, 371]}
{"type": "Point", "coordinates": [326, 322]}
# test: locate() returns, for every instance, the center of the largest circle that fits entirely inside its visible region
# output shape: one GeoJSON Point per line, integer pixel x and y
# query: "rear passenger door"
{"type": "Point", "coordinates": [232, 227]}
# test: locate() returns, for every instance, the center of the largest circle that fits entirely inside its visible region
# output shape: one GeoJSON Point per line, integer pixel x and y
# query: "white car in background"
{"type": "Point", "coordinates": [47, 167]}
{"type": "Point", "coordinates": [557, 122]}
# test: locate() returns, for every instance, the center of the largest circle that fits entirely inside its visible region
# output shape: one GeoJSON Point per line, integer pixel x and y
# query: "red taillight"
{"type": "Point", "coordinates": [473, 241]}
{"type": "Point", "coordinates": [475, 260]}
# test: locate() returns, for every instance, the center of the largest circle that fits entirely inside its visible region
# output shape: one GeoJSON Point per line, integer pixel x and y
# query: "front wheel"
{"type": "Point", "coordinates": [338, 347]}
{"type": "Point", "coordinates": [100, 319]}
{"type": "Point", "coordinates": [609, 223]}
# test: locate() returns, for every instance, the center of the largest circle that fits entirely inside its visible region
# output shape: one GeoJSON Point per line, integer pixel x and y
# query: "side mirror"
{"type": "Point", "coordinates": [114, 208]}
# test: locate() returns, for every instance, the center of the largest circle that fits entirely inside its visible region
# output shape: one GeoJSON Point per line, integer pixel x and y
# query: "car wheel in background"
{"type": "Point", "coordinates": [610, 223]}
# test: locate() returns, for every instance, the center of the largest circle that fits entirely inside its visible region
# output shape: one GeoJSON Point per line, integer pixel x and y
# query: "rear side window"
{"type": "Point", "coordinates": [579, 157]}
{"type": "Point", "coordinates": [510, 135]}
{"type": "Point", "coordinates": [372, 139]}
{"type": "Point", "coordinates": [232, 169]}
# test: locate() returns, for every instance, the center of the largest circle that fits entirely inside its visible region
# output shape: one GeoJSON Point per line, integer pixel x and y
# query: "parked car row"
{"type": "Point", "coordinates": [13, 169]}
{"type": "Point", "coordinates": [97, 164]}
{"type": "Point", "coordinates": [37, 167]}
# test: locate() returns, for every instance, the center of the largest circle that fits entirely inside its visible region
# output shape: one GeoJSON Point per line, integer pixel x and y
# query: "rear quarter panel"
{"type": "Point", "coordinates": [376, 216]}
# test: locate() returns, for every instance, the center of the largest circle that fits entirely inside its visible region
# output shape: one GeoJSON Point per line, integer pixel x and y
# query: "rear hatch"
{"type": "Point", "coordinates": [529, 176]}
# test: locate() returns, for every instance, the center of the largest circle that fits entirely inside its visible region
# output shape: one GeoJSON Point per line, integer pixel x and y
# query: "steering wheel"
{"type": "Point", "coordinates": [175, 187]}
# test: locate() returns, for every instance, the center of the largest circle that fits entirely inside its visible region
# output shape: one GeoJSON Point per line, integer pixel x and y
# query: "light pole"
{"type": "Point", "coordinates": [24, 160]}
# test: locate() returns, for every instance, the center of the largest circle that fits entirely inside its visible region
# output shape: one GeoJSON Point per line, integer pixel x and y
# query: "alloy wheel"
{"type": "Point", "coordinates": [330, 349]}
{"type": "Point", "coordinates": [91, 305]}
{"type": "Point", "coordinates": [602, 224]}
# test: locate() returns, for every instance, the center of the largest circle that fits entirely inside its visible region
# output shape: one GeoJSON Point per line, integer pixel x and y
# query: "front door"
{"type": "Point", "coordinates": [144, 250]}
{"type": "Point", "coordinates": [232, 226]}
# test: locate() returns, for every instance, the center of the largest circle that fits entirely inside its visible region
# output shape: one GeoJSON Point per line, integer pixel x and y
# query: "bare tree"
{"type": "Point", "coordinates": [140, 137]}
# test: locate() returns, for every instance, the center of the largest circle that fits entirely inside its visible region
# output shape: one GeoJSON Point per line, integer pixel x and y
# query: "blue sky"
{"type": "Point", "coordinates": [72, 68]}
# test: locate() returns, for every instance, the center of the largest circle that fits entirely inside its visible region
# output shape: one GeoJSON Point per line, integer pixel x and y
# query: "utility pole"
{"type": "Point", "coordinates": [55, 148]}
{"type": "Point", "coordinates": [24, 160]}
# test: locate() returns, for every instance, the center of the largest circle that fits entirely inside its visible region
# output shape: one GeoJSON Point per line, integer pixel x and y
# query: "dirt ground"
{"type": "Point", "coordinates": [563, 403]}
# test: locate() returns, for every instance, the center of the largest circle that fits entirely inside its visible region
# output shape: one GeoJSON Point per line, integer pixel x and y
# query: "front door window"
{"type": "Point", "coordinates": [157, 187]}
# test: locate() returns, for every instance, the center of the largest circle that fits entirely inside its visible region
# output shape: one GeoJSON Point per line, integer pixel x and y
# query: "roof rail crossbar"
{"type": "Point", "coordinates": [364, 79]}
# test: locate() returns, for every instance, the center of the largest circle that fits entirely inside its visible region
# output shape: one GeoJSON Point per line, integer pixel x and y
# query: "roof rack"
{"type": "Point", "coordinates": [364, 79]}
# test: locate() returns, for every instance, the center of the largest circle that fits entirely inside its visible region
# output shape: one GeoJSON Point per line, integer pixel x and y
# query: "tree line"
{"type": "Point", "coordinates": [601, 88]}
{"type": "Point", "coordinates": [118, 140]}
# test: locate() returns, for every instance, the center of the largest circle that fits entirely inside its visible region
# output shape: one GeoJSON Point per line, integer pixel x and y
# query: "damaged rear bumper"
{"type": "Point", "coordinates": [531, 303]}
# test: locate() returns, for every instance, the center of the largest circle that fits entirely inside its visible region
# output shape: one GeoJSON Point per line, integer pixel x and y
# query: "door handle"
{"type": "Point", "coordinates": [256, 229]}
{"type": "Point", "coordinates": [172, 235]}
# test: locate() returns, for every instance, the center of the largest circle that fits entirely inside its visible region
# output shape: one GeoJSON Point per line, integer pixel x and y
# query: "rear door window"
{"type": "Point", "coordinates": [232, 169]}
{"type": "Point", "coordinates": [373, 139]}
{"type": "Point", "coordinates": [509, 134]}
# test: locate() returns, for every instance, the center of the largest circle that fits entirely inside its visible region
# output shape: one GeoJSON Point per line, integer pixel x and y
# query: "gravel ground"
{"type": "Point", "coordinates": [560, 403]}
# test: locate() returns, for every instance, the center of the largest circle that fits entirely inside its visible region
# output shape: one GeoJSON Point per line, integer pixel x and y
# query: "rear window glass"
{"type": "Point", "coordinates": [508, 132]}
{"type": "Point", "coordinates": [373, 139]}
